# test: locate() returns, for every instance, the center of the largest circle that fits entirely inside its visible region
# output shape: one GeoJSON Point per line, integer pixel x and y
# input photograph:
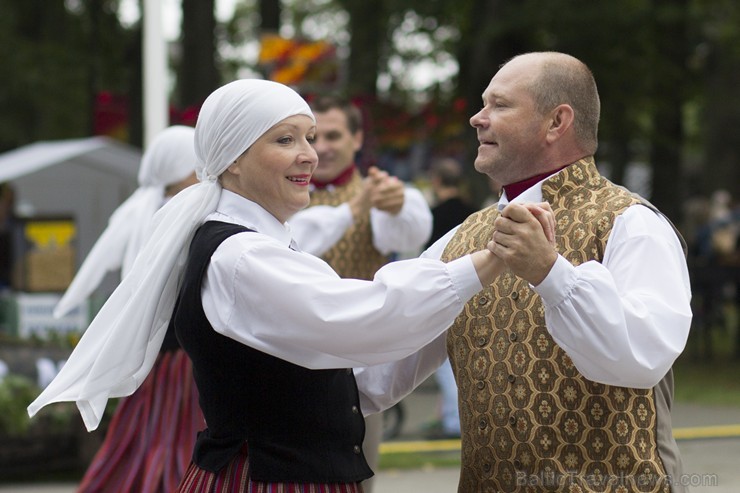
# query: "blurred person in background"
{"type": "Point", "coordinates": [450, 209]}
{"type": "Point", "coordinates": [355, 223]}
{"type": "Point", "coordinates": [151, 435]}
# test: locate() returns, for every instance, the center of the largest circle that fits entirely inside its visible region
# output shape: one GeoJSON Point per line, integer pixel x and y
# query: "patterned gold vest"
{"type": "Point", "coordinates": [531, 422]}
{"type": "Point", "coordinates": [354, 256]}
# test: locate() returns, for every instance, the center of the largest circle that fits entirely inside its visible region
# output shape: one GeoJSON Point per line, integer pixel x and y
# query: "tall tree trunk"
{"type": "Point", "coordinates": [198, 73]}
{"type": "Point", "coordinates": [367, 26]}
{"type": "Point", "coordinates": [134, 58]}
{"type": "Point", "coordinates": [93, 74]}
{"type": "Point", "coordinates": [483, 47]}
{"type": "Point", "coordinates": [617, 153]}
{"type": "Point", "coordinates": [670, 38]}
{"type": "Point", "coordinates": [721, 123]}
{"type": "Point", "coordinates": [269, 15]}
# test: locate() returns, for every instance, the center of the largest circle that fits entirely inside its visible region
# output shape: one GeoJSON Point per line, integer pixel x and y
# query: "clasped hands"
{"type": "Point", "coordinates": [379, 190]}
{"type": "Point", "coordinates": [524, 239]}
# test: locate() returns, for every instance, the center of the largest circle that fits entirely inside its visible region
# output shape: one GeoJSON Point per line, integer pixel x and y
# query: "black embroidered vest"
{"type": "Point", "coordinates": [299, 425]}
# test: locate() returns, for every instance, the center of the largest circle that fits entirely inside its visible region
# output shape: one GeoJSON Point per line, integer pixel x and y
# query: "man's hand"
{"type": "Point", "coordinates": [386, 192]}
{"type": "Point", "coordinates": [524, 238]}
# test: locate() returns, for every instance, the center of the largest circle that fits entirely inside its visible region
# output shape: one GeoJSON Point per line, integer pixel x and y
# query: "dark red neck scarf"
{"type": "Point", "coordinates": [341, 179]}
{"type": "Point", "coordinates": [515, 189]}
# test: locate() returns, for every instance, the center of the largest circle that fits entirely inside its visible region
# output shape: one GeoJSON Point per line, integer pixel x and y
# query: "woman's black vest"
{"type": "Point", "coordinates": [299, 425]}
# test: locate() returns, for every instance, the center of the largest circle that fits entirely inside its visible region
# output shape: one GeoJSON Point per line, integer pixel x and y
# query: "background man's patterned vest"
{"type": "Point", "coordinates": [531, 422]}
{"type": "Point", "coordinates": [354, 255]}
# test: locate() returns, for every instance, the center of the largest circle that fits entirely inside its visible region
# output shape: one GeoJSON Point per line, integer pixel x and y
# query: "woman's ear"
{"type": "Point", "coordinates": [234, 168]}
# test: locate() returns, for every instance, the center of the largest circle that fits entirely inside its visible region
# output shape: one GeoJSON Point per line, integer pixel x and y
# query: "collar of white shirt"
{"type": "Point", "coordinates": [235, 209]}
{"type": "Point", "coordinates": [531, 195]}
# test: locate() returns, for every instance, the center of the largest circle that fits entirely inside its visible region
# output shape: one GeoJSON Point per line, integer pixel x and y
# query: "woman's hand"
{"type": "Point", "coordinates": [524, 238]}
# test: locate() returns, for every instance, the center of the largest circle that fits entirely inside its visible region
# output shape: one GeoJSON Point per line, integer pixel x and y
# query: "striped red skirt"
{"type": "Point", "coordinates": [234, 479]}
{"type": "Point", "coordinates": [151, 436]}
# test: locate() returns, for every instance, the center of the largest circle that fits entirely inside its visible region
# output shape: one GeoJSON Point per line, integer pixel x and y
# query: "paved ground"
{"type": "Point", "coordinates": [712, 465]}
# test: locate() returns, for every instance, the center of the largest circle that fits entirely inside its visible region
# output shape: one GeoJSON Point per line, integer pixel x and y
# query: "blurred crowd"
{"type": "Point", "coordinates": [712, 230]}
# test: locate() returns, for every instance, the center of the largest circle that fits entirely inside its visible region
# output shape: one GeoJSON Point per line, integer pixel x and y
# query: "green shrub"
{"type": "Point", "coordinates": [16, 393]}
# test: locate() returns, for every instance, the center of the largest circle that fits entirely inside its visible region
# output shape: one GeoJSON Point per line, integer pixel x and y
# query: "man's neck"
{"type": "Point", "coordinates": [513, 190]}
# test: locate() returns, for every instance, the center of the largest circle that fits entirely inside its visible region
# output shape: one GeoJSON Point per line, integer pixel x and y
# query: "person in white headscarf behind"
{"type": "Point", "coordinates": [272, 332]}
{"type": "Point", "coordinates": [167, 166]}
{"type": "Point", "coordinates": [151, 434]}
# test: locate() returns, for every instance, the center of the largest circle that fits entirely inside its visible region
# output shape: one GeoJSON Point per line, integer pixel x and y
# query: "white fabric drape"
{"type": "Point", "coordinates": [169, 159]}
{"type": "Point", "coordinates": [121, 344]}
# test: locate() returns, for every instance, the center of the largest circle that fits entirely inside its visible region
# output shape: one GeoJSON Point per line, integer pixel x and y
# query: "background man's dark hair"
{"type": "Point", "coordinates": [322, 104]}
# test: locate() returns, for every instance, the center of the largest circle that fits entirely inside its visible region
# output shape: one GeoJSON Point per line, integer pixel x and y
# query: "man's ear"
{"type": "Point", "coordinates": [561, 121]}
{"type": "Point", "coordinates": [359, 138]}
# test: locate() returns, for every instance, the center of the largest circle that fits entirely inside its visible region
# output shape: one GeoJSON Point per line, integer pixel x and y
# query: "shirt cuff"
{"type": "Point", "coordinates": [558, 283]}
{"type": "Point", "coordinates": [464, 277]}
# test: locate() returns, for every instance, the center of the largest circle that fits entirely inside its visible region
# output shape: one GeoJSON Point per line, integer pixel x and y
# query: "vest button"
{"type": "Point", "coordinates": [481, 384]}
{"type": "Point", "coordinates": [512, 420]}
{"type": "Point", "coordinates": [357, 449]}
{"type": "Point", "coordinates": [482, 341]}
{"type": "Point", "coordinates": [511, 378]}
{"type": "Point", "coordinates": [482, 300]}
{"type": "Point", "coordinates": [517, 464]}
{"type": "Point", "coordinates": [482, 424]}
{"type": "Point", "coordinates": [355, 410]}
{"type": "Point", "coordinates": [515, 295]}
{"type": "Point", "coordinates": [487, 466]}
{"type": "Point", "coordinates": [513, 337]}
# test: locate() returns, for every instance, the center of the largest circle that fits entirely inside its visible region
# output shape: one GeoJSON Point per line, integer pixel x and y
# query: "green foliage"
{"type": "Point", "coordinates": [708, 375]}
{"type": "Point", "coordinates": [648, 58]}
{"type": "Point", "coordinates": [16, 393]}
{"type": "Point", "coordinates": [708, 382]}
{"type": "Point", "coordinates": [420, 460]}
{"type": "Point", "coordinates": [55, 60]}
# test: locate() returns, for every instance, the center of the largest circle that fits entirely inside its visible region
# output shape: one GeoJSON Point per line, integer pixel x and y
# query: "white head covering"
{"type": "Point", "coordinates": [121, 344]}
{"type": "Point", "coordinates": [169, 159]}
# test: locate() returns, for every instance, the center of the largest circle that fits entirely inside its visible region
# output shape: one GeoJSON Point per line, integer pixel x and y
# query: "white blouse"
{"type": "Point", "coordinates": [292, 305]}
{"type": "Point", "coordinates": [623, 321]}
{"type": "Point", "coordinates": [318, 228]}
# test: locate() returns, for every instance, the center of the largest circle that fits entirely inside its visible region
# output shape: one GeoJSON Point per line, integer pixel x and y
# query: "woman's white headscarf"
{"type": "Point", "coordinates": [169, 159]}
{"type": "Point", "coordinates": [121, 344]}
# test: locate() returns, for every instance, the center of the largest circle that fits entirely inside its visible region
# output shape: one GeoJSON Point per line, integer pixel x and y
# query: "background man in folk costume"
{"type": "Point", "coordinates": [357, 223]}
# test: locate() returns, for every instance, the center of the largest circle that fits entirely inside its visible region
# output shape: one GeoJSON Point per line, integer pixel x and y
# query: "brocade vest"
{"type": "Point", "coordinates": [354, 255]}
{"type": "Point", "coordinates": [530, 421]}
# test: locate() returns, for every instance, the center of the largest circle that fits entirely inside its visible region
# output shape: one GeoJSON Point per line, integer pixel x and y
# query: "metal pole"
{"type": "Point", "coordinates": [156, 111]}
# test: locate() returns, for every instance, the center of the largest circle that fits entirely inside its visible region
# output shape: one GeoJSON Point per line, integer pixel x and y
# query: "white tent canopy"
{"type": "Point", "coordinates": [86, 179]}
{"type": "Point", "coordinates": [96, 152]}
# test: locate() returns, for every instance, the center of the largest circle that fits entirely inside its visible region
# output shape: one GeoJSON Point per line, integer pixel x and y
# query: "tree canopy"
{"type": "Point", "coordinates": [666, 71]}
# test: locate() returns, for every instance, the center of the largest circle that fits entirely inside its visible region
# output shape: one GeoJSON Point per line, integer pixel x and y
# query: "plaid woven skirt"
{"type": "Point", "coordinates": [151, 436]}
{"type": "Point", "coordinates": [234, 479]}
